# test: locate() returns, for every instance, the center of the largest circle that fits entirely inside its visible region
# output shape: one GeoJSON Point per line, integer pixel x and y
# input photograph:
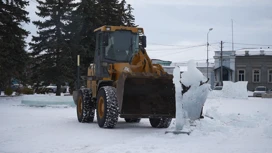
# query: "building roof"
{"type": "Point", "coordinates": [254, 52]}
{"type": "Point", "coordinates": [198, 64]}
{"type": "Point", "coordinates": [223, 67]}
{"type": "Point", "coordinates": [202, 64]}
{"type": "Point", "coordinates": [160, 60]}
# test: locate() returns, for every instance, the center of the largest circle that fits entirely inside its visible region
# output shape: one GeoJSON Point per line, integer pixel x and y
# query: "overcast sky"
{"type": "Point", "coordinates": [172, 27]}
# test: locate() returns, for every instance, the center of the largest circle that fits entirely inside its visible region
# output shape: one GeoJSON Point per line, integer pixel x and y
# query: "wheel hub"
{"type": "Point", "coordinates": [101, 107]}
{"type": "Point", "coordinates": [79, 106]}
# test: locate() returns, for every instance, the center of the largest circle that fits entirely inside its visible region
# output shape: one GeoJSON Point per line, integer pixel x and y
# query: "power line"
{"type": "Point", "coordinates": [159, 44]}
{"type": "Point", "coordinates": [199, 60]}
{"type": "Point", "coordinates": [249, 44]}
{"type": "Point", "coordinates": [172, 53]}
{"type": "Point", "coordinates": [168, 54]}
{"type": "Point", "coordinates": [214, 48]}
{"type": "Point", "coordinates": [166, 44]}
{"type": "Point", "coordinates": [177, 48]}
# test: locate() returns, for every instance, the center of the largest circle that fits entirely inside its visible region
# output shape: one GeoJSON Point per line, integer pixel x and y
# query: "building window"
{"type": "Point", "coordinates": [241, 75]}
{"type": "Point", "coordinates": [270, 76]}
{"type": "Point", "coordinates": [256, 76]}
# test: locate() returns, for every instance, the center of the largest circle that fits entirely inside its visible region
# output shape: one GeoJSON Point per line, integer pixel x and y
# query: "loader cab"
{"type": "Point", "coordinates": [116, 44]}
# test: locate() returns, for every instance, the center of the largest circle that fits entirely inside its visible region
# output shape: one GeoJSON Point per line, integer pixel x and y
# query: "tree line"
{"type": "Point", "coordinates": [65, 30]}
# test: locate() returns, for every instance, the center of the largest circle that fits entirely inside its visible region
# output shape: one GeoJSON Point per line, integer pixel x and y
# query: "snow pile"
{"type": "Point", "coordinates": [194, 99]}
{"type": "Point", "coordinates": [47, 100]}
{"type": "Point", "coordinates": [235, 90]}
{"type": "Point", "coordinates": [230, 89]}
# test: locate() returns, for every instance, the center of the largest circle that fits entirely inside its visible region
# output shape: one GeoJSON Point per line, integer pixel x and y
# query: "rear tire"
{"type": "Point", "coordinates": [85, 106]}
{"type": "Point", "coordinates": [107, 107]}
{"type": "Point", "coordinates": [160, 122]}
{"type": "Point", "coordinates": [132, 120]}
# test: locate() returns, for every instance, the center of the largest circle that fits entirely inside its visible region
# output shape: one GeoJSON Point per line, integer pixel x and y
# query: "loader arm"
{"type": "Point", "coordinates": [142, 63]}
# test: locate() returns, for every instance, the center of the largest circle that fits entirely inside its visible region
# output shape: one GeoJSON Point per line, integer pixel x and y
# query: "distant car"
{"type": "Point", "coordinates": [259, 91]}
{"type": "Point", "coordinates": [52, 88]}
{"type": "Point", "coordinates": [218, 88]}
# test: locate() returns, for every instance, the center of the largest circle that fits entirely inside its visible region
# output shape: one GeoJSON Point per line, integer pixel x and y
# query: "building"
{"type": "Point", "coordinates": [254, 66]}
{"type": "Point", "coordinates": [228, 66]}
{"type": "Point", "coordinates": [161, 62]}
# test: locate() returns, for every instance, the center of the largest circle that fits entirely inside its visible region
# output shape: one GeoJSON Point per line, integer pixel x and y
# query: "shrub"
{"type": "Point", "coordinates": [8, 92]}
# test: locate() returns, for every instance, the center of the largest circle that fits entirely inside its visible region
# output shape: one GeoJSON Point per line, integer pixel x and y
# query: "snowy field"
{"type": "Point", "coordinates": [238, 126]}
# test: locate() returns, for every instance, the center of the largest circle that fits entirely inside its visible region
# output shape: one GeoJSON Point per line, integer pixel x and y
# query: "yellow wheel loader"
{"type": "Point", "coordinates": [123, 82]}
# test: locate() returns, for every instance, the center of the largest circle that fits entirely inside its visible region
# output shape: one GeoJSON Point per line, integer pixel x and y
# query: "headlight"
{"type": "Point", "coordinates": [108, 28]}
{"type": "Point", "coordinates": [140, 31]}
{"type": "Point", "coordinates": [126, 69]}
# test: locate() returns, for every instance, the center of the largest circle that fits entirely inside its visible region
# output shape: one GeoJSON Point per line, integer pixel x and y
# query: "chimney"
{"type": "Point", "coordinates": [262, 52]}
{"type": "Point", "coordinates": [246, 52]}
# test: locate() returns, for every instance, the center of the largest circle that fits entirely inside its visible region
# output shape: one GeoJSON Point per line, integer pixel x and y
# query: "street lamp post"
{"type": "Point", "coordinates": [208, 51]}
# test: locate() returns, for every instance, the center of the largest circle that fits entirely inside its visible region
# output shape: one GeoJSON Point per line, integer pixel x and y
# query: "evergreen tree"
{"type": "Point", "coordinates": [110, 12]}
{"type": "Point", "coordinates": [50, 47]}
{"type": "Point", "coordinates": [122, 11]}
{"type": "Point", "coordinates": [113, 12]}
{"type": "Point", "coordinates": [130, 19]}
{"type": "Point", "coordinates": [12, 40]}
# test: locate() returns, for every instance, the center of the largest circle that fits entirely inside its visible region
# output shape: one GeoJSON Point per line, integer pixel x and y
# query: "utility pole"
{"type": "Point", "coordinates": [232, 34]}
{"type": "Point", "coordinates": [208, 52]}
{"type": "Point", "coordinates": [221, 60]}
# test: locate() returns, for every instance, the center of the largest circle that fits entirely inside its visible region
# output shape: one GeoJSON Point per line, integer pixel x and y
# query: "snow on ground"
{"type": "Point", "coordinates": [239, 126]}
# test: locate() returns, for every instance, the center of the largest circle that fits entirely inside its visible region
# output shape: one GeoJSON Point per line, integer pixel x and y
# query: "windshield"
{"type": "Point", "coordinates": [260, 89]}
{"type": "Point", "coordinates": [122, 45]}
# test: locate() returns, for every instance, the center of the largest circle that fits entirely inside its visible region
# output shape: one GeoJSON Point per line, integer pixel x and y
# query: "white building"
{"type": "Point", "coordinates": [228, 66]}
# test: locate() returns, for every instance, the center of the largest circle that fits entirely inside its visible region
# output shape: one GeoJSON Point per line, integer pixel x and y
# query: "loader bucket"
{"type": "Point", "coordinates": [143, 95]}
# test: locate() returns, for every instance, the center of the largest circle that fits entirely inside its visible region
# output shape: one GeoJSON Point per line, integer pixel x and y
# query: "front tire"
{"type": "Point", "coordinates": [85, 106]}
{"type": "Point", "coordinates": [107, 107]}
{"type": "Point", "coordinates": [160, 122]}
